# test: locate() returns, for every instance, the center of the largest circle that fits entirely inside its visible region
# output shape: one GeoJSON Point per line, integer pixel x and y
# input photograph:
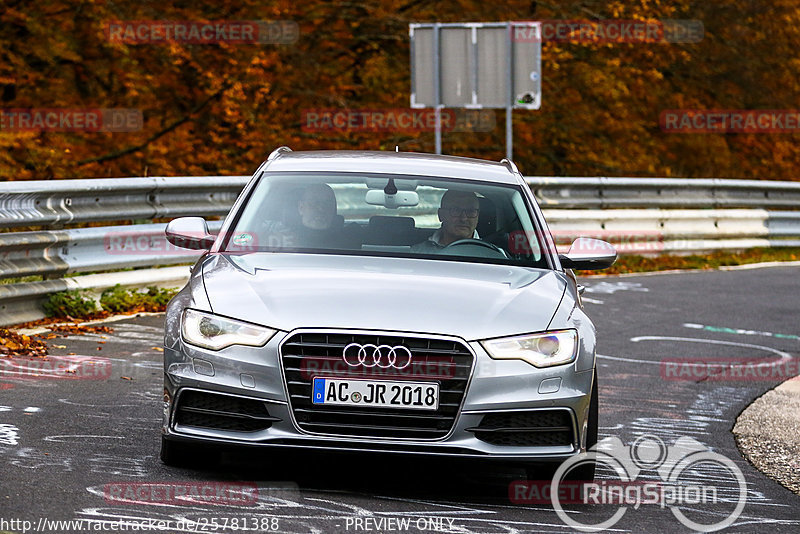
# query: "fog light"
{"type": "Point", "coordinates": [166, 411]}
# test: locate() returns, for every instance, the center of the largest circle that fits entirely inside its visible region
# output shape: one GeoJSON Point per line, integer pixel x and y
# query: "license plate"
{"type": "Point", "coordinates": [376, 393]}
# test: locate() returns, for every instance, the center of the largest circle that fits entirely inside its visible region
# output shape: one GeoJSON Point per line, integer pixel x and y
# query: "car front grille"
{"type": "Point", "coordinates": [309, 354]}
{"type": "Point", "coordinates": [222, 412]}
{"type": "Point", "coordinates": [538, 428]}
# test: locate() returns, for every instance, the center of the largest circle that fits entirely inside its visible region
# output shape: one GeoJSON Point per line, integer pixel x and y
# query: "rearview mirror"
{"type": "Point", "coordinates": [377, 197]}
{"type": "Point", "coordinates": [189, 232]}
{"type": "Point", "coordinates": [588, 254]}
{"type": "Point", "coordinates": [399, 183]}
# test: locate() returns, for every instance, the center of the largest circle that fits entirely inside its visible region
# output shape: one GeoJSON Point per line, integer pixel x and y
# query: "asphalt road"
{"type": "Point", "coordinates": [77, 449]}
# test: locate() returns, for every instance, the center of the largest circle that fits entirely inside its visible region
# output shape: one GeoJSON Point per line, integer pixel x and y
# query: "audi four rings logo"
{"type": "Point", "coordinates": [382, 356]}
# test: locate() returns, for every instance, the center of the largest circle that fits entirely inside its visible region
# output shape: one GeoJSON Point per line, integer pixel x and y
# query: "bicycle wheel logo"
{"type": "Point", "coordinates": [678, 487]}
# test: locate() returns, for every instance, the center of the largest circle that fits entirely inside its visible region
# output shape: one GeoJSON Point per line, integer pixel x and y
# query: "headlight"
{"type": "Point", "coordinates": [540, 350]}
{"type": "Point", "coordinates": [214, 332]}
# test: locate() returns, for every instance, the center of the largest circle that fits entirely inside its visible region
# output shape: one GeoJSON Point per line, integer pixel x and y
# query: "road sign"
{"type": "Point", "coordinates": [477, 65]}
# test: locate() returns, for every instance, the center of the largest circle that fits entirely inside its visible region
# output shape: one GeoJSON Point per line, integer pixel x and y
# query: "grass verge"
{"type": "Point", "coordinates": [80, 305]}
{"type": "Point", "coordinates": [666, 262]}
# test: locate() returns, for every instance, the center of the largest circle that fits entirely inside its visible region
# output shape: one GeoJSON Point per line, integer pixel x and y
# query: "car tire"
{"type": "Point", "coordinates": [177, 454]}
{"type": "Point", "coordinates": [585, 471]}
{"type": "Point", "coordinates": [594, 408]}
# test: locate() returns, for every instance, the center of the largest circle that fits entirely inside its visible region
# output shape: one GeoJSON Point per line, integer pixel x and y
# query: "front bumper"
{"type": "Point", "coordinates": [495, 388]}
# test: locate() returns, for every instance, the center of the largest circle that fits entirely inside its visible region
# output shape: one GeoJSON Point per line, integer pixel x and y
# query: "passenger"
{"type": "Point", "coordinates": [459, 217]}
{"type": "Point", "coordinates": [317, 207]}
{"type": "Point", "coordinates": [314, 223]}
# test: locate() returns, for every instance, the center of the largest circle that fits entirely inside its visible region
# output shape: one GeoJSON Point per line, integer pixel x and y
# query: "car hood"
{"type": "Point", "coordinates": [469, 300]}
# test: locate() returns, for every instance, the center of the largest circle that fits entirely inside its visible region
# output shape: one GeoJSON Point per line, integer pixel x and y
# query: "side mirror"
{"type": "Point", "coordinates": [189, 232]}
{"type": "Point", "coordinates": [588, 254]}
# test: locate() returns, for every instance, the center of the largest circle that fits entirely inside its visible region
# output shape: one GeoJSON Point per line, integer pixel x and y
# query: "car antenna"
{"type": "Point", "coordinates": [397, 148]}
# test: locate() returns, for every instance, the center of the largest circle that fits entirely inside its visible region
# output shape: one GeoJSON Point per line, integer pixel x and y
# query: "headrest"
{"type": "Point", "coordinates": [387, 223]}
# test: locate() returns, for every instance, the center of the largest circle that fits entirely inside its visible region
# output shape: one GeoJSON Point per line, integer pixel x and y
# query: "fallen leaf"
{"type": "Point", "coordinates": [159, 349]}
{"type": "Point", "coordinates": [14, 344]}
{"type": "Point", "coordinates": [126, 378]}
{"type": "Point", "coordinates": [78, 329]}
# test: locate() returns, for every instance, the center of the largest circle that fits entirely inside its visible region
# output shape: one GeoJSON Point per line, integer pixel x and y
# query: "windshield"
{"type": "Point", "coordinates": [381, 215]}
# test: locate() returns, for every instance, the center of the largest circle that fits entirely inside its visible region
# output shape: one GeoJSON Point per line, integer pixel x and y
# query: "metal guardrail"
{"type": "Point", "coordinates": [699, 193]}
{"type": "Point", "coordinates": [643, 231]}
{"type": "Point", "coordinates": [56, 203]}
{"type": "Point", "coordinates": [639, 215]}
{"type": "Point", "coordinates": [59, 252]}
{"type": "Point", "coordinates": [63, 202]}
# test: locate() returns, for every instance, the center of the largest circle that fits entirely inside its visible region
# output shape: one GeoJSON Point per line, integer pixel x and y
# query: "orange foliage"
{"type": "Point", "coordinates": [221, 108]}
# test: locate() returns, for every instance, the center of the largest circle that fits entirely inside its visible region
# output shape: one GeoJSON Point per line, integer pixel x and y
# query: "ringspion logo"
{"type": "Point", "coordinates": [704, 490]}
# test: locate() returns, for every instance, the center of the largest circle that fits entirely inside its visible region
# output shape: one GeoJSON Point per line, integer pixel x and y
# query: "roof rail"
{"type": "Point", "coordinates": [510, 164]}
{"type": "Point", "coordinates": [277, 152]}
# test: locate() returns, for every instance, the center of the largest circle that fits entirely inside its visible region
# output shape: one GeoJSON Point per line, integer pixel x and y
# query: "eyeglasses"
{"type": "Point", "coordinates": [470, 213]}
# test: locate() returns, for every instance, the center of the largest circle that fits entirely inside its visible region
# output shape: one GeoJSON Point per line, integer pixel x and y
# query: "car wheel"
{"type": "Point", "coordinates": [586, 470]}
{"type": "Point", "coordinates": [594, 407]}
{"type": "Point", "coordinates": [177, 454]}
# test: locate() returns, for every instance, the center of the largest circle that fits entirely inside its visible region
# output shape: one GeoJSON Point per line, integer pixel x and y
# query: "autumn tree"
{"type": "Point", "coordinates": [221, 108]}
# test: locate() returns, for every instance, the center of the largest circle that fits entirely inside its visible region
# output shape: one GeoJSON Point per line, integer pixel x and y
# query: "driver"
{"type": "Point", "coordinates": [459, 217]}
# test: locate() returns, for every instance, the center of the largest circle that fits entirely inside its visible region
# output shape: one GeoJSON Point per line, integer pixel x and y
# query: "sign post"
{"type": "Point", "coordinates": [476, 65]}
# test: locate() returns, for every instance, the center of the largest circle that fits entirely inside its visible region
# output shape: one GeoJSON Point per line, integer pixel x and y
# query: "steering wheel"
{"type": "Point", "coordinates": [473, 241]}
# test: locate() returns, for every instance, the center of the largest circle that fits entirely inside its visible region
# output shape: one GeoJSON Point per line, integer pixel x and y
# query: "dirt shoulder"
{"type": "Point", "coordinates": [768, 434]}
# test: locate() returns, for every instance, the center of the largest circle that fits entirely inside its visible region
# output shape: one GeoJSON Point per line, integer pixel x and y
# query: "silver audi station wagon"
{"type": "Point", "coordinates": [385, 302]}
